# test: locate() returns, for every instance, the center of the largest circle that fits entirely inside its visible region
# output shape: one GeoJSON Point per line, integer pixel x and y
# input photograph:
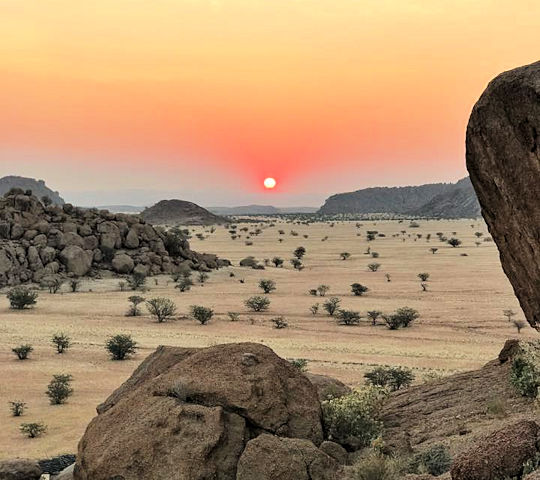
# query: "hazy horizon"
{"type": "Point", "coordinates": [132, 102]}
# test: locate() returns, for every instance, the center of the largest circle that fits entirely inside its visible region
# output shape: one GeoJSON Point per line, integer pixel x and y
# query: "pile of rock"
{"type": "Point", "coordinates": [38, 241]}
{"type": "Point", "coordinates": [229, 412]}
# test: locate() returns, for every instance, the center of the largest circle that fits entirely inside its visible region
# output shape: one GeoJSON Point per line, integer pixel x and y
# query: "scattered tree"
{"type": "Point", "coordinates": [184, 284]}
{"type": "Point", "coordinates": [358, 289]}
{"type": "Point", "coordinates": [519, 324]}
{"type": "Point", "coordinates": [454, 242]}
{"type": "Point", "coordinates": [33, 430]}
{"type": "Point", "coordinates": [22, 351]}
{"type": "Point", "coordinates": [393, 378]}
{"type": "Point", "coordinates": [74, 285]}
{"type": "Point", "coordinates": [59, 389]}
{"type": "Point", "coordinates": [374, 266]}
{"type": "Point", "coordinates": [348, 317]}
{"type": "Point", "coordinates": [323, 290]}
{"type": "Point", "coordinates": [509, 314]}
{"type": "Point", "coordinates": [297, 264]}
{"type": "Point", "coordinates": [121, 346]}
{"type": "Point", "coordinates": [202, 314]}
{"type": "Point", "coordinates": [202, 277]}
{"type": "Point", "coordinates": [17, 408]}
{"type": "Point", "coordinates": [267, 286]}
{"type": "Point", "coordinates": [344, 255]}
{"type": "Point", "coordinates": [257, 303]}
{"type": "Point", "coordinates": [21, 298]}
{"type": "Point", "coordinates": [279, 322]}
{"type": "Point", "coordinates": [137, 281]}
{"type": "Point", "coordinates": [423, 276]}
{"type": "Point", "coordinates": [331, 305]}
{"type": "Point", "coordinates": [161, 308]}
{"type": "Point", "coordinates": [278, 262]}
{"type": "Point", "coordinates": [299, 253]}
{"type": "Point", "coordinates": [314, 309]}
{"type": "Point", "coordinates": [61, 342]}
{"type": "Point", "coordinates": [373, 316]}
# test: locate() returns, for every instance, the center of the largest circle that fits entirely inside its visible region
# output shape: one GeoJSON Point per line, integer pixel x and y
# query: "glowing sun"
{"type": "Point", "coordinates": [269, 182]}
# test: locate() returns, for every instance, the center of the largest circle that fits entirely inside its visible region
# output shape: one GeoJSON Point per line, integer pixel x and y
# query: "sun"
{"type": "Point", "coordinates": [269, 182]}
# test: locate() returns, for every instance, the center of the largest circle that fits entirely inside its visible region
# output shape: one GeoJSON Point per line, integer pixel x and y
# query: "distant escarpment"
{"type": "Point", "coordinates": [38, 188]}
{"type": "Point", "coordinates": [438, 200]}
{"type": "Point", "coordinates": [39, 241]}
{"type": "Point", "coordinates": [180, 212]}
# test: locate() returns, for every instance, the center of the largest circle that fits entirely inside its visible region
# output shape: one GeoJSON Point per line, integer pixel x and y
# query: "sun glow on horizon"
{"type": "Point", "coordinates": [269, 183]}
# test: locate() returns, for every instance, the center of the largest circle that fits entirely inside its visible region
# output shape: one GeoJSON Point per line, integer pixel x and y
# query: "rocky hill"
{"type": "Point", "coordinates": [38, 242]}
{"type": "Point", "coordinates": [179, 212]}
{"type": "Point", "coordinates": [439, 200]}
{"type": "Point", "coordinates": [38, 188]}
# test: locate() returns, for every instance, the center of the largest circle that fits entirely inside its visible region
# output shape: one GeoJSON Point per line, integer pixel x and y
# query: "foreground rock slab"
{"type": "Point", "coordinates": [188, 414]}
{"type": "Point", "coordinates": [503, 159]}
{"type": "Point", "coordinates": [19, 469]}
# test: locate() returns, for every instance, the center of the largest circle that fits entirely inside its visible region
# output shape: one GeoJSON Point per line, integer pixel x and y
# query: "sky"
{"type": "Point", "coordinates": [131, 101]}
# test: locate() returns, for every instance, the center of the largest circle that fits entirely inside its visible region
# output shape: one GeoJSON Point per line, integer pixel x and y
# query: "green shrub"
{"type": "Point", "coordinates": [61, 341]}
{"type": "Point", "coordinates": [376, 466]}
{"type": "Point", "coordinates": [392, 378]}
{"type": "Point", "coordinates": [161, 308]}
{"type": "Point", "coordinates": [353, 420]}
{"type": "Point", "coordinates": [257, 303]}
{"type": "Point", "coordinates": [33, 430]}
{"type": "Point", "coordinates": [59, 389]}
{"type": "Point", "coordinates": [436, 460]}
{"type": "Point", "coordinates": [17, 408]}
{"type": "Point", "coordinates": [267, 286]}
{"type": "Point", "coordinates": [331, 305]}
{"type": "Point", "coordinates": [279, 322]}
{"type": "Point", "coordinates": [202, 314]}
{"type": "Point", "coordinates": [358, 289]}
{"type": "Point", "coordinates": [300, 363]}
{"type": "Point", "coordinates": [22, 351]}
{"type": "Point", "coordinates": [525, 373]}
{"type": "Point", "coordinates": [21, 298]}
{"type": "Point", "coordinates": [121, 346]}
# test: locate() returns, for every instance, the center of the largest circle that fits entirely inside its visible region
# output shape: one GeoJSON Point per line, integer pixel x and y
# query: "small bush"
{"type": "Point", "coordinates": [436, 460]}
{"type": "Point", "coordinates": [323, 290]}
{"type": "Point", "coordinates": [278, 262]}
{"type": "Point", "coordinates": [376, 466]}
{"type": "Point", "coordinates": [202, 277]}
{"type": "Point", "coordinates": [373, 267]}
{"type": "Point", "coordinates": [74, 285]}
{"type": "Point", "coordinates": [134, 310]}
{"type": "Point", "coordinates": [454, 242]}
{"type": "Point", "coordinates": [17, 408]}
{"type": "Point", "coordinates": [297, 264]}
{"type": "Point", "coordinates": [257, 303]}
{"type": "Point", "coordinates": [121, 346]}
{"type": "Point", "coordinates": [300, 363]}
{"type": "Point", "coordinates": [525, 372]}
{"type": "Point", "coordinates": [267, 286]}
{"type": "Point", "coordinates": [33, 430]}
{"type": "Point", "coordinates": [279, 323]}
{"type": "Point", "coordinates": [21, 298]}
{"type": "Point", "coordinates": [314, 309]}
{"type": "Point", "coordinates": [137, 281]}
{"type": "Point", "coordinates": [358, 289]}
{"type": "Point", "coordinates": [54, 284]}
{"type": "Point", "coordinates": [184, 284]}
{"type": "Point", "coordinates": [61, 342]}
{"type": "Point", "coordinates": [345, 255]}
{"type": "Point", "coordinates": [22, 351]}
{"type": "Point", "coordinates": [353, 419]}
{"type": "Point", "coordinates": [161, 308]}
{"type": "Point", "coordinates": [331, 305]}
{"type": "Point", "coordinates": [59, 389]}
{"type": "Point", "coordinates": [348, 317]}
{"type": "Point", "coordinates": [403, 317]}
{"type": "Point", "coordinates": [393, 378]}
{"type": "Point", "coordinates": [233, 316]}
{"type": "Point", "coordinates": [202, 314]}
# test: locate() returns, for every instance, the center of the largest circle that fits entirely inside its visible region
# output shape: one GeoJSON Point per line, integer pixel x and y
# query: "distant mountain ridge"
{"type": "Point", "coordinates": [38, 187]}
{"type": "Point", "coordinates": [179, 212]}
{"type": "Point", "coordinates": [260, 210]}
{"type": "Point", "coordinates": [438, 200]}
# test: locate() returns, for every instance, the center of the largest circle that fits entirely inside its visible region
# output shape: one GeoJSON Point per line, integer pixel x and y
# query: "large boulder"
{"type": "Point", "coordinates": [499, 455]}
{"type": "Point", "coordinates": [188, 413]}
{"type": "Point", "coordinates": [123, 263]}
{"type": "Point", "coordinates": [328, 387]}
{"type": "Point", "coordinates": [19, 469]}
{"type": "Point", "coordinates": [268, 457]}
{"type": "Point", "coordinates": [76, 260]}
{"type": "Point", "coordinates": [503, 159]}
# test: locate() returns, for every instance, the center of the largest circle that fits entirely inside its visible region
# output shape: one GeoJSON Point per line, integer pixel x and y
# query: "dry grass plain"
{"type": "Point", "coordinates": [460, 328]}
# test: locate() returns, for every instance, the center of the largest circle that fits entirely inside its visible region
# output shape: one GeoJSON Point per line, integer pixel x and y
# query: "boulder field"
{"type": "Point", "coordinates": [38, 241]}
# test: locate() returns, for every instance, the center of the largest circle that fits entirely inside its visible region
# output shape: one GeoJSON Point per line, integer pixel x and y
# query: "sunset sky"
{"type": "Point", "coordinates": [116, 101]}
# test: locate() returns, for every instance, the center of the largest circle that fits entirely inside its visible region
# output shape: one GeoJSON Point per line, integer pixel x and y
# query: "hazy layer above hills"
{"type": "Point", "coordinates": [260, 210]}
{"type": "Point", "coordinates": [440, 200]}
{"type": "Point", "coordinates": [38, 187]}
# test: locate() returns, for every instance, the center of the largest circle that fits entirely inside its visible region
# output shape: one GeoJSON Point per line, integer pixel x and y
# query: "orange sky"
{"type": "Point", "coordinates": [128, 101]}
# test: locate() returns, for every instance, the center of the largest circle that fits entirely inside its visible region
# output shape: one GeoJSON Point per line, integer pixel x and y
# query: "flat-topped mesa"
{"type": "Point", "coordinates": [503, 159]}
{"type": "Point", "coordinates": [37, 241]}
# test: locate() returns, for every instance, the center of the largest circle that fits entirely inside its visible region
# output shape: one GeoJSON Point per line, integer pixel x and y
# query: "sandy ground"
{"type": "Point", "coordinates": [461, 324]}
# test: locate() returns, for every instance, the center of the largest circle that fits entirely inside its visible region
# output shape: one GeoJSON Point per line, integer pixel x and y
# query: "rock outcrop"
{"type": "Point", "coordinates": [180, 212]}
{"type": "Point", "coordinates": [38, 241]}
{"type": "Point", "coordinates": [19, 469]}
{"type": "Point", "coordinates": [503, 159]}
{"type": "Point", "coordinates": [38, 188]}
{"type": "Point", "coordinates": [501, 454]}
{"type": "Point", "coordinates": [218, 412]}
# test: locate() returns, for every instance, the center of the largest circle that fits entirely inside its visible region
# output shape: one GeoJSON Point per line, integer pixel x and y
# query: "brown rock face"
{"type": "Point", "coordinates": [272, 458]}
{"type": "Point", "coordinates": [499, 455]}
{"type": "Point", "coordinates": [19, 469]}
{"type": "Point", "coordinates": [503, 159]}
{"type": "Point", "coordinates": [188, 414]}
